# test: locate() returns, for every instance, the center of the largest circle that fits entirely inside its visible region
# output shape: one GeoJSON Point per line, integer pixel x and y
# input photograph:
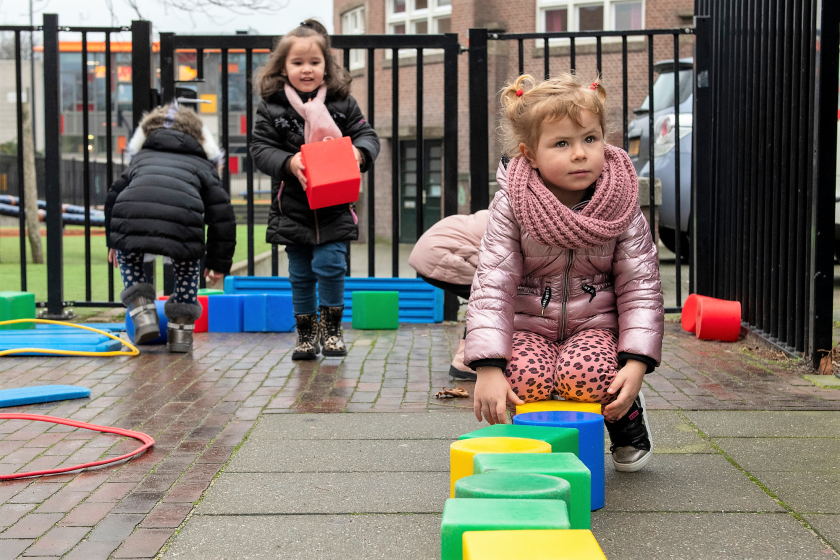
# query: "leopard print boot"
{"type": "Point", "coordinates": [307, 343]}
{"type": "Point", "coordinates": [332, 335]}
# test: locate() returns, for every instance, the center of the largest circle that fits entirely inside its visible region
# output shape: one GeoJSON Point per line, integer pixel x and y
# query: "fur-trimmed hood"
{"type": "Point", "coordinates": [180, 119]}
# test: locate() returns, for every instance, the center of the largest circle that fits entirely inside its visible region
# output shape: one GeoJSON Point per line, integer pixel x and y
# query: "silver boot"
{"type": "Point", "coordinates": [140, 301]}
{"type": "Point", "coordinates": [179, 331]}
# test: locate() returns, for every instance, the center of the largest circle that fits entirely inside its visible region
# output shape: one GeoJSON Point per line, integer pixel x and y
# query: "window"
{"type": "Point", "coordinates": [586, 15]}
{"type": "Point", "coordinates": [419, 16]}
{"type": "Point", "coordinates": [353, 23]}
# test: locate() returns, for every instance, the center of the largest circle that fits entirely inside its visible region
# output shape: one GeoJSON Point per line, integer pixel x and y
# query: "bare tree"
{"type": "Point", "coordinates": [30, 189]}
{"type": "Point", "coordinates": [235, 6]}
{"type": "Point", "coordinates": [7, 46]}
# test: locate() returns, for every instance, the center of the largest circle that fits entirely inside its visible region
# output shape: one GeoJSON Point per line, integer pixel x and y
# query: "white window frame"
{"type": "Point", "coordinates": [357, 56]}
{"type": "Point", "coordinates": [430, 14]}
{"type": "Point", "coordinates": [573, 19]}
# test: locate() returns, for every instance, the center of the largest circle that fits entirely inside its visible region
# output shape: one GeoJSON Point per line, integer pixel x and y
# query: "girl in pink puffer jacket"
{"type": "Point", "coordinates": [567, 295]}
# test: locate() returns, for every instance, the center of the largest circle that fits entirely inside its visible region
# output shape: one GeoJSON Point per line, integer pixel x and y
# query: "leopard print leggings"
{"type": "Point", "coordinates": [580, 368]}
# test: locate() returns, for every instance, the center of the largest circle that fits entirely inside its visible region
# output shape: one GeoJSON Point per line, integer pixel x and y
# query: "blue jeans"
{"type": "Point", "coordinates": [321, 264]}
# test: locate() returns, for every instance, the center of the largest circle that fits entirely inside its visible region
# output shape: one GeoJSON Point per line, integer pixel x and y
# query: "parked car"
{"type": "Point", "coordinates": [664, 142]}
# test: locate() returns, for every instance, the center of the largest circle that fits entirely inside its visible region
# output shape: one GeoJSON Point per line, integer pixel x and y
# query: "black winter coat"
{"type": "Point", "coordinates": [278, 135]}
{"type": "Point", "coordinates": [162, 201]}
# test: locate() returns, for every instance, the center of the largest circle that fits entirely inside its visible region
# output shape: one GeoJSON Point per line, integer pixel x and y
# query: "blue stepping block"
{"type": "Point", "coordinates": [77, 340]}
{"type": "Point", "coordinates": [591, 441]}
{"type": "Point", "coordinates": [226, 313]}
{"type": "Point", "coordinates": [107, 327]}
{"type": "Point", "coordinates": [268, 313]}
{"type": "Point", "coordinates": [41, 394]}
{"type": "Point", "coordinates": [163, 322]}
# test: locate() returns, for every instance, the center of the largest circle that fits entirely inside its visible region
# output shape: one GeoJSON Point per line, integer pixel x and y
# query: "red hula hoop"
{"type": "Point", "coordinates": [147, 440]}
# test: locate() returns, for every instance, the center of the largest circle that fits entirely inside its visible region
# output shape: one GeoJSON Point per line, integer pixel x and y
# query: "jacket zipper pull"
{"type": "Point", "coordinates": [546, 297]}
{"type": "Point", "coordinates": [589, 290]}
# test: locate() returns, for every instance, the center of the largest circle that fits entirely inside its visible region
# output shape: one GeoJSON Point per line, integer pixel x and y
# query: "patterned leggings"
{"type": "Point", "coordinates": [580, 368]}
{"type": "Point", "coordinates": [187, 275]}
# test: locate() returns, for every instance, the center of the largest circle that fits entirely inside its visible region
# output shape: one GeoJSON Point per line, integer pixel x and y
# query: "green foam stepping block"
{"type": "Point", "coordinates": [376, 310]}
{"type": "Point", "coordinates": [17, 305]}
{"type": "Point", "coordinates": [210, 292]}
{"type": "Point", "coordinates": [514, 486]}
{"type": "Point", "coordinates": [562, 465]}
{"type": "Point", "coordinates": [561, 440]}
{"type": "Point", "coordinates": [473, 514]}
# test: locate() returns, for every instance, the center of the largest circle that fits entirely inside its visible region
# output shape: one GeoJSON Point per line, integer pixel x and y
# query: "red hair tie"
{"type": "Point", "coordinates": [594, 85]}
{"type": "Point", "coordinates": [519, 93]}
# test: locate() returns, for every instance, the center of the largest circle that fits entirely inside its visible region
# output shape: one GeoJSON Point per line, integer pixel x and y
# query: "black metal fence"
{"type": "Point", "coordinates": [480, 161]}
{"type": "Point", "coordinates": [765, 149]}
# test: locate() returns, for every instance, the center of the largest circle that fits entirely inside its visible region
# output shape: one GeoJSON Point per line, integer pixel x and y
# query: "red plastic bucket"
{"type": "Point", "coordinates": [688, 319]}
{"type": "Point", "coordinates": [718, 319]}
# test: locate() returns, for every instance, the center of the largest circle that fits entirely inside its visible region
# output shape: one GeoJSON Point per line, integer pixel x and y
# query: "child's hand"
{"type": "Point", "coordinates": [112, 257]}
{"type": "Point", "coordinates": [213, 276]}
{"type": "Point", "coordinates": [297, 169]}
{"type": "Point", "coordinates": [492, 390]}
{"type": "Point", "coordinates": [628, 381]}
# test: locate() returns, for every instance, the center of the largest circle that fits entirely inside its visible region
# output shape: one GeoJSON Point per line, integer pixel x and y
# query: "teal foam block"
{"type": "Point", "coordinates": [66, 341]}
{"type": "Point", "coordinates": [106, 327]}
{"type": "Point", "coordinates": [41, 394]}
{"type": "Point", "coordinates": [419, 302]}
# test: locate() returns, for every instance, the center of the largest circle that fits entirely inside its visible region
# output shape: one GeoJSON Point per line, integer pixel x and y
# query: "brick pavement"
{"type": "Point", "coordinates": [200, 408]}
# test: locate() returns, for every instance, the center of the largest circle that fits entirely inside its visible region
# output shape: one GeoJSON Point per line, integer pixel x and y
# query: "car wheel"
{"type": "Point", "coordinates": [668, 239]}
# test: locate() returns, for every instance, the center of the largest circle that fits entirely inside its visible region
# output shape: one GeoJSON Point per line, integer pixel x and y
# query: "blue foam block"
{"type": "Point", "coordinates": [107, 327]}
{"type": "Point", "coordinates": [268, 313]}
{"type": "Point", "coordinates": [226, 313]}
{"type": "Point", "coordinates": [590, 441]}
{"type": "Point", "coordinates": [129, 324]}
{"type": "Point", "coordinates": [66, 341]}
{"type": "Point", "coordinates": [41, 394]}
{"type": "Point", "coordinates": [419, 302]}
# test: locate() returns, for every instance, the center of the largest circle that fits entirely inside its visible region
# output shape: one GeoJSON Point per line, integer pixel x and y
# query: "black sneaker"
{"type": "Point", "coordinates": [631, 447]}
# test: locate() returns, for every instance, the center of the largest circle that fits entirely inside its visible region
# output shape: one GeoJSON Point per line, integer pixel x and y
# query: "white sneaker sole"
{"type": "Point", "coordinates": [641, 463]}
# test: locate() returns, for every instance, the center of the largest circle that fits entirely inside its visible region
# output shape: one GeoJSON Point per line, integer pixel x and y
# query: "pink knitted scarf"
{"type": "Point", "coordinates": [318, 124]}
{"type": "Point", "coordinates": [552, 223]}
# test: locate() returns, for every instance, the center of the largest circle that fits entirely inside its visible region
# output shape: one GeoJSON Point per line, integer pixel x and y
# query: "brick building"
{"type": "Point", "coordinates": [457, 16]}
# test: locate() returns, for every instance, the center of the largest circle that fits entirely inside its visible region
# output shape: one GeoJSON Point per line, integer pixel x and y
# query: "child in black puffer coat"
{"type": "Point", "coordinates": [302, 77]}
{"type": "Point", "coordinates": [160, 206]}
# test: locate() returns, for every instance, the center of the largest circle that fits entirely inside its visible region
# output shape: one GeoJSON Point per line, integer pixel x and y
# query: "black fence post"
{"type": "Point", "coordinates": [52, 177]}
{"type": "Point", "coordinates": [702, 215]}
{"type": "Point", "coordinates": [167, 69]}
{"type": "Point", "coordinates": [822, 180]}
{"type": "Point", "coordinates": [450, 147]}
{"type": "Point", "coordinates": [141, 69]}
{"type": "Point", "coordinates": [479, 121]}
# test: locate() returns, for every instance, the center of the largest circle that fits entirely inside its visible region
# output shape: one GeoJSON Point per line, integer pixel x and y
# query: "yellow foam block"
{"type": "Point", "coordinates": [551, 544]}
{"type": "Point", "coordinates": [546, 406]}
{"type": "Point", "coordinates": [461, 453]}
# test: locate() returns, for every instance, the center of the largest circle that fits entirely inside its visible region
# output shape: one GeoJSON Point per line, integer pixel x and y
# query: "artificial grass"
{"type": "Point", "coordinates": [74, 265]}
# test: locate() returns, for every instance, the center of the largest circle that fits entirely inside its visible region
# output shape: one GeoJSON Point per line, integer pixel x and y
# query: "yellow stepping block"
{"type": "Point", "coordinates": [461, 453]}
{"type": "Point", "coordinates": [546, 406]}
{"type": "Point", "coordinates": [572, 544]}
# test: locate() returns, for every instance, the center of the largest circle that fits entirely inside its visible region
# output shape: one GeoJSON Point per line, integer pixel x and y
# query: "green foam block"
{"type": "Point", "coordinates": [514, 486]}
{"type": "Point", "coordinates": [561, 440]}
{"type": "Point", "coordinates": [562, 465]}
{"type": "Point", "coordinates": [469, 514]}
{"type": "Point", "coordinates": [376, 310]}
{"type": "Point", "coordinates": [17, 305]}
{"type": "Point", "coordinates": [210, 292]}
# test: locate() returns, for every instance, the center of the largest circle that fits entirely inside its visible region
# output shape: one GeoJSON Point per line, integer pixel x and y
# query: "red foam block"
{"type": "Point", "coordinates": [202, 324]}
{"type": "Point", "coordinates": [718, 319]}
{"type": "Point", "coordinates": [331, 171]}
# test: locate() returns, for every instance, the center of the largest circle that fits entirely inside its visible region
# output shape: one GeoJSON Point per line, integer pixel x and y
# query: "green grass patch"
{"type": "Point", "coordinates": [74, 265]}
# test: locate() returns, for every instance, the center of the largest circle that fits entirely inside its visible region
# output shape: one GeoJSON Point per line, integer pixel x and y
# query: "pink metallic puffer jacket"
{"type": "Point", "coordinates": [614, 286]}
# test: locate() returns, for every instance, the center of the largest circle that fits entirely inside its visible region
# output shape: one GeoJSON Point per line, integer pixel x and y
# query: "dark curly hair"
{"type": "Point", "coordinates": [270, 78]}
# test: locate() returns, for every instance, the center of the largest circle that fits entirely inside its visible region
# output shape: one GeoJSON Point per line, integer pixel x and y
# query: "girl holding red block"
{"type": "Point", "coordinates": [567, 297]}
{"type": "Point", "coordinates": [305, 99]}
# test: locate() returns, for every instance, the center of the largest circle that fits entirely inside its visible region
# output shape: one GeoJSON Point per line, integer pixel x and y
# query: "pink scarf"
{"type": "Point", "coordinates": [552, 223]}
{"type": "Point", "coordinates": [318, 124]}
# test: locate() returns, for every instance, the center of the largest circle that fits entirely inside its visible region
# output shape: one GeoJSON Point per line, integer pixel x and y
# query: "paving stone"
{"type": "Point", "coordinates": [726, 423]}
{"type": "Point", "coordinates": [308, 537]}
{"type": "Point", "coordinates": [31, 526]}
{"type": "Point", "coordinates": [685, 483]}
{"type": "Point", "coordinates": [143, 543]}
{"type": "Point", "coordinates": [705, 536]}
{"type": "Point", "coordinates": [88, 514]}
{"type": "Point", "coordinates": [11, 548]}
{"type": "Point", "coordinates": [238, 493]}
{"type": "Point", "coordinates": [57, 542]}
{"type": "Point", "coordinates": [805, 492]}
{"type": "Point", "coordinates": [11, 513]}
{"type": "Point", "coordinates": [784, 454]}
{"type": "Point", "coordinates": [342, 456]}
{"type": "Point", "coordinates": [828, 526]}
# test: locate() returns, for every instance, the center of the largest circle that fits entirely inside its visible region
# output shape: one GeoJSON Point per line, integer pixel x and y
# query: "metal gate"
{"type": "Point", "coordinates": [765, 149]}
